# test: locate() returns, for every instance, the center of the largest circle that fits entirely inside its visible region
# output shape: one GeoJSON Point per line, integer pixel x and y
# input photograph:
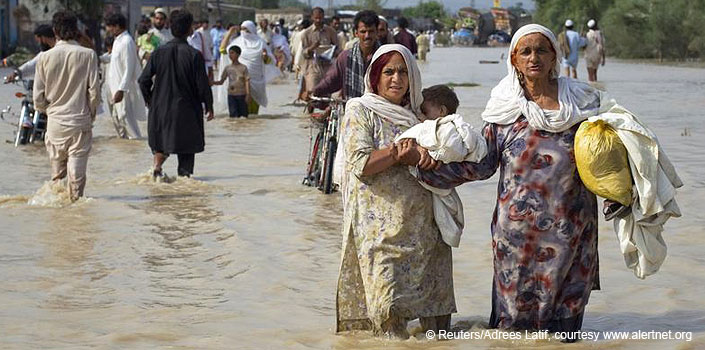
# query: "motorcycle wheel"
{"type": "Point", "coordinates": [23, 136]}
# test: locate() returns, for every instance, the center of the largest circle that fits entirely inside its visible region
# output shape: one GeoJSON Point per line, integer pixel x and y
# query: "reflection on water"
{"type": "Point", "coordinates": [72, 279]}
{"type": "Point", "coordinates": [243, 256]}
{"type": "Point", "coordinates": [189, 266]}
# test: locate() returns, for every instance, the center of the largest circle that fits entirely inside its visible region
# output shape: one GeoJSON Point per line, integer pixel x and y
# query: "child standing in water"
{"type": "Point", "coordinates": [238, 84]}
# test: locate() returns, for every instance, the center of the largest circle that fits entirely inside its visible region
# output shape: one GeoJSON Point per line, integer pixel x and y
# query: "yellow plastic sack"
{"type": "Point", "coordinates": [602, 162]}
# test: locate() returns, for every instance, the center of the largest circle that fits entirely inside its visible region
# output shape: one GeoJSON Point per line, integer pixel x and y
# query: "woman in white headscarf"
{"type": "Point", "coordinates": [544, 227]}
{"type": "Point", "coordinates": [280, 44]}
{"type": "Point", "coordinates": [395, 265]}
{"type": "Point", "coordinates": [254, 54]}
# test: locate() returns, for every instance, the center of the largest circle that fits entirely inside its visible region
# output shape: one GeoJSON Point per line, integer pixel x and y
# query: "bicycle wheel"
{"type": "Point", "coordinates": [323, 155]}
{"type": "Point", "coordinates": [311, 178]}
{"type": "Point", "coordinates": [330, 159]}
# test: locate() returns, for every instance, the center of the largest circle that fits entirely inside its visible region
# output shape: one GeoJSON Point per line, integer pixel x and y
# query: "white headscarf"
{"type": "Point", "coordinates": [249, 39]}
{"type": "Point", "coordinates": [407, 116]}
{"type": "Point", "coordinates": [279, 41]}
{"type": "Point", "coordinates": [578, 101]}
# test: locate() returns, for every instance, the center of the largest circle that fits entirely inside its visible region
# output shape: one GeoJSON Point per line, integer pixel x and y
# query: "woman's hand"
{"type": "Point", "coordinates": [410, 153]}
{"type": "Point", "coordinates": [407, 153]}
{"type": "Point", "coordinates": [426, 162]}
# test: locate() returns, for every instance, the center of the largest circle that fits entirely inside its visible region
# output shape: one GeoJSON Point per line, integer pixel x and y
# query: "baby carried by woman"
{"type": "Point", "coordinates": [448, 139]}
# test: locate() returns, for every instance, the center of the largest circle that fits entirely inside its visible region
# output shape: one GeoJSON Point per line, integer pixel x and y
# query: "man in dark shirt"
{"type": "Point", "coordinates": [348, 74]}
{"type": "Point", "coordinates": [175, 87]}
{"type": "Point", "coordinates": [404, 37]}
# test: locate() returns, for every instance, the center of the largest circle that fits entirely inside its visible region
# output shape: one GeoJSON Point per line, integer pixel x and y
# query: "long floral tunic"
{"type": "Point", "coordinates": [544, 228]}
{"type": "Point", "coordinates": [394, 261]}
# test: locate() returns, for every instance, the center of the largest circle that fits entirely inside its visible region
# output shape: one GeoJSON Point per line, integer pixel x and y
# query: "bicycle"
{"type": "Point", "coordinates": [322, 147]}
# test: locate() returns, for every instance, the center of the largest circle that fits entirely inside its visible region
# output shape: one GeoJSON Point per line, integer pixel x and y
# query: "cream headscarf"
{"type": "Point", "coordinates": [578, 101]}
{"type": "Point", "coordinates": [407, 116]}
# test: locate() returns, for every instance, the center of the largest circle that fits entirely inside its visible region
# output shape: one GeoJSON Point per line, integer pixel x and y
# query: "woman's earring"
{"type": "Point", "coordinates": [520, 75]}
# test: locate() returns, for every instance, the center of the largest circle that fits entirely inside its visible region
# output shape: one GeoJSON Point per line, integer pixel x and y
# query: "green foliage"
{"type": "Point", "coordinates": [430, 9]}
{"type": "Point", "coordinates": [665, 29]}
{"type": "Point", "coordinates": [553, 13]}
{"type": "Point", "coordinates": [626, 26]}
{"type": "Point", "coordinates": [448, 22]}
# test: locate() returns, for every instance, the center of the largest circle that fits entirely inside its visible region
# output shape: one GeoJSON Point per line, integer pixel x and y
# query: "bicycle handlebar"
{"type": "Point", "coordinates": [326, 99]}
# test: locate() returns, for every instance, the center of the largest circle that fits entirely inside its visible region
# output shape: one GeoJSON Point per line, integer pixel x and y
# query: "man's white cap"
{"type": "Point", "coordinates": [162, 11]}
{"type": "Point", "coordinates": [591, 23]}
{"type": "Point", "coordinates": [381, 18]}
{"type": "Point", "coordinates": [568, 23]}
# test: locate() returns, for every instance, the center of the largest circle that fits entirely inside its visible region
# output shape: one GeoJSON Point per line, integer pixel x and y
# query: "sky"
{"type": "Point", "coordinates": [451, 5]}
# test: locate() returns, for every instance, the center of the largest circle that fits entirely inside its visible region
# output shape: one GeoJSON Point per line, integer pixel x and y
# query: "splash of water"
{"type": "Point", "coordinates": [53, 194]}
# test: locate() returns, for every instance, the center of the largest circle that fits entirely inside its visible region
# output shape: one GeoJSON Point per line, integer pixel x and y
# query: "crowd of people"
{"type": "Point", "coordinates": [401, 217]}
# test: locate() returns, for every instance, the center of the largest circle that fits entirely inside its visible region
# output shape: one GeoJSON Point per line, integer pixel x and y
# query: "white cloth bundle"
{"type": "Point", "coordinates": [655, 183]}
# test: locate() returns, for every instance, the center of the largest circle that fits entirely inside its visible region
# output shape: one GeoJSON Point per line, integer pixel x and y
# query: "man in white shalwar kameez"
{"type": "Point", "coordinates": [123, 71]}
{"type": "Point", "coordinates": [199, 41]}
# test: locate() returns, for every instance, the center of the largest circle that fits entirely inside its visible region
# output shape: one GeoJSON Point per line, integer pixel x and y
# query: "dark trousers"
{"type": "Point", "coordinates": [237, 106]}
{"type": "Point", "coordinates": [185, 167]}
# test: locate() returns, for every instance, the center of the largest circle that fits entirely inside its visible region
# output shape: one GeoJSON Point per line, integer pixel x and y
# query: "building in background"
{"type": "Point", "coordinates": [290, 15]}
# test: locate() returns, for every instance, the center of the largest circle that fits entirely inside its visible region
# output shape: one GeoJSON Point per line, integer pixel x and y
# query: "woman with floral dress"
{"type": "Point", "coordinates": [395, 266]}
{"type": "Point", "coordinates": [544, 228]}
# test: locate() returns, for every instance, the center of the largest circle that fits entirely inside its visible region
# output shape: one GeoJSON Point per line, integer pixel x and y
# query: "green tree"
{"type": "Point", "coordinates": [430, 9]}
{"type": "Point", "coordinates": [656, 29]}
{"type": "Point", "coordinates": [553, 13]}
{"type": "Point", "coordinates": [693, 24]}
{"type": "Point", "coordinates": [665, 29]}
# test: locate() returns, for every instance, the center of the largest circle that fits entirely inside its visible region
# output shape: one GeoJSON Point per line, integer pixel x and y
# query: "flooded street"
{"type": "Point", "coordinates": [242, 256]}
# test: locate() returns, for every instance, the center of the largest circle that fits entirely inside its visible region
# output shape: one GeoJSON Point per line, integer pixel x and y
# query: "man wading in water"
{"type": "Point", "coordinates": [176, 98]}
{"type": "Point", "coordinates": [69, 99]}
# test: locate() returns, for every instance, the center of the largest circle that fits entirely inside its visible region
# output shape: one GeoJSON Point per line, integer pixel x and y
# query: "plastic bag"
{"type": "Point", "coordinates": [602, 162]}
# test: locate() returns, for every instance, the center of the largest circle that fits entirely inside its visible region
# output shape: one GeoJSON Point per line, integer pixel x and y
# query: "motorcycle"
{"type": "Point", "coordinates": [31, 125]}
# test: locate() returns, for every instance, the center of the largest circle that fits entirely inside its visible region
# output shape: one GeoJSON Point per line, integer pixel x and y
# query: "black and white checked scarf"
{"type": "Point", "coordinates": [355, 73]}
